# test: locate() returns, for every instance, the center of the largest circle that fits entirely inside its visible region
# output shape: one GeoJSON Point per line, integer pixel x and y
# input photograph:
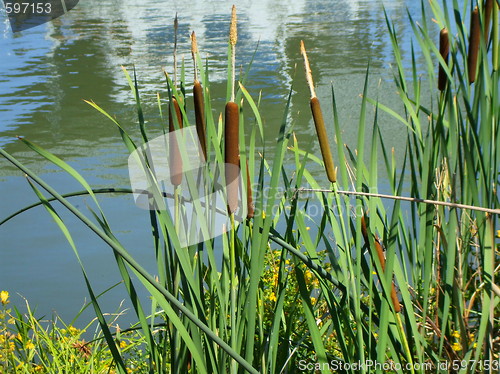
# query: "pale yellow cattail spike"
{"type": "Point", "coordinates": [307, 68]}
{"type": "Point", "coordinates": [194, 44]}
{"type": "Point", "coordinates": [233, 32]}
{"type": "Point", "coordinates": [194, 52]}
{"type": "Point", "coordinates": [233, 38]}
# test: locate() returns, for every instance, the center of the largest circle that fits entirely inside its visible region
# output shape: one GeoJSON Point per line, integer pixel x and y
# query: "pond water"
{"type": "Point", "coordinates": [47, 71]}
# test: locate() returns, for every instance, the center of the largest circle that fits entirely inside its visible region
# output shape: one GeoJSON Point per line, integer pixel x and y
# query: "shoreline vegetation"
{"type": "Point", "coordinates": [406, 282]}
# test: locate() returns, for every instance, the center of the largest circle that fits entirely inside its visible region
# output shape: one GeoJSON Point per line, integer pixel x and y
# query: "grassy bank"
{"type": "Point", "coordinates": [404, 282]}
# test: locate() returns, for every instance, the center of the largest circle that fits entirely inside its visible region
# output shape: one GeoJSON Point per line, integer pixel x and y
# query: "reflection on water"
{"type": "Point", "coordinates": [47, 71]}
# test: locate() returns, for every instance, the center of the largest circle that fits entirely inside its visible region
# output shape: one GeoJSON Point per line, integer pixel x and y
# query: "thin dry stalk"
{"type": "Point", "coordinates": [444, 50]}
{"type": "Point", "coordinates": [474, 40]}
{"type": "Point", "coordinates": [403, 198]}
{"type": "Point", "coordinates": [319, 123]}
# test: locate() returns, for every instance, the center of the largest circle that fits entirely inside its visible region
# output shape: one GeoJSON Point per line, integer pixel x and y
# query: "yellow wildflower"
{"type": "Point", "coordinates": [272, 296]}
{"type": "Point", "coordinates": [455, 334]}
{"type": "Point", "coordinates": [308, 276]}
{"type": "Point", "coordinates": [4, 297]}
{"type": "Point", "coordinates": [123, 344]}
{"type": "Point", "coordinates": [456, 346]}
{"type": "Point", "coordinates": [498, 233]}
{"type": "Point", "coordinates": [30, 345]}
{"type": "Point", "coordinates": [73, 330]}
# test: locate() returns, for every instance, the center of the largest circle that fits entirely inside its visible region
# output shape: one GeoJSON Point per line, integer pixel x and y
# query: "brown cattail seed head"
{"type": "Point", "coordinates": [199, 113]}
{"type": "Point", "coordinates": [488, 9]}
{"type": "Point", "coordinates": [444, 50]}
{"type": "Point", "coordinates": [474, 40]}
{"type": "Point", "coordinates": [232, 154]}
{"type": "Point", "coordinates": [174, 152]}
{"type": "Point", "coordinates": [323, 139]}
{"type": "Point", "coordinates": [233, 32]}
{"type": "Point", "coordinates": [381, 257]}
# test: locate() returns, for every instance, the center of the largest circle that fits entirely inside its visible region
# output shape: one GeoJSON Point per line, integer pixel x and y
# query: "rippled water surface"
{"type": "Point", "coordinates": [47, 71]}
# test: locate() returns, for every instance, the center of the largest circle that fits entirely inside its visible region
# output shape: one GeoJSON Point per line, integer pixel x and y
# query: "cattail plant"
{"type": "Point", "coordinates": [174, 152]}
{"type": "Point", "coordinates": [444, 50]}
{"type": "Point", "coordinates": [198, 99]}
{"type": "Point", "coordinates": [474, 40]}
{"type": "Point", "coordinates": [318, 120]}
{"type": "Point", "coordinates": [232, 149]}
{"type": "Point", "coordinates": [381, 257]}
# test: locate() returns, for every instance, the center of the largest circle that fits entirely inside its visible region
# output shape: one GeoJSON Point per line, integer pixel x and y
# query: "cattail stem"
{"type": "Point", "coordinates": [176, 26]}
{"type": "Point", "coordinates": [232, 154]}
{"type": "Point", "coordinates": [381, 257]}
{"type": "Point", "coordinates": [250, 207]}
{"type": "Point", "coordinates": [444, 50]}
{"type": "Point", "coordinates": [319, 123]}
{"type": "Point", "coordinates": [488, 9]}
{"type": "Point", "coordinates": [494, 36]}
{"type": "Point", "coordinates": [474, 40]}
{"type": "Point", "coordinates": [233, 290]}
{"type": "Point", "coordinates": [174, 152]}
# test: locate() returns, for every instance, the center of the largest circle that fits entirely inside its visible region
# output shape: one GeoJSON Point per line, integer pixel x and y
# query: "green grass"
{"type": "Point", "coordinates": [297, 292]}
